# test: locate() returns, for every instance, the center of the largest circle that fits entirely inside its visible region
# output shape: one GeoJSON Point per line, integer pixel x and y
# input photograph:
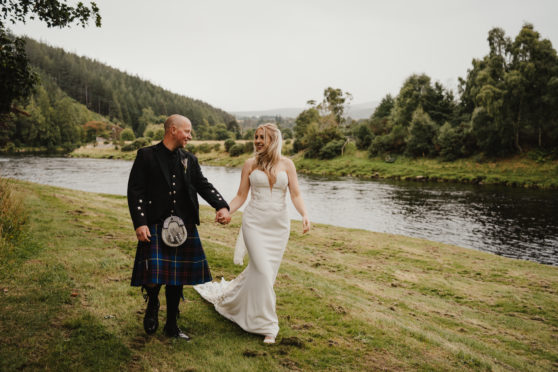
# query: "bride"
{"type": "Point", "coordinates": [249, 299]}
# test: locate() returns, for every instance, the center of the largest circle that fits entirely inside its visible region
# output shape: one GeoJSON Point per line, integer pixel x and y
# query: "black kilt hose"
{"type": "Point", "coordinates": [164, 183]}
{"type": "Point", "coordinates": [157, 263]}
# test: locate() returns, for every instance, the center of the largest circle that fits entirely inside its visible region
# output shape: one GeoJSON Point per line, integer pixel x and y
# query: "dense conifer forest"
{"type": "Point", "coordinates": [74, 90]}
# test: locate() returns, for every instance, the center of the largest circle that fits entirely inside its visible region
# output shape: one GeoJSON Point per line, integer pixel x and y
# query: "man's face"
{"type": "Point", "coordinates": [182, 133]}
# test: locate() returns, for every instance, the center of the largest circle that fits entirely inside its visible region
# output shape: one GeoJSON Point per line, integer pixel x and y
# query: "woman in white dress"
{"type": "Point", "coordinates": [249, 299]}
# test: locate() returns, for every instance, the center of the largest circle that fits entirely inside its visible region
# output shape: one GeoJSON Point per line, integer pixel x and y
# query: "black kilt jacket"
{"type": "Point", "coordinates": [150, 194]}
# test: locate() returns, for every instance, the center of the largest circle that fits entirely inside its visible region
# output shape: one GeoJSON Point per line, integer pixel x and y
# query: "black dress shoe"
{"type": "Point", "coordinates": [175, 332]}
{"type": "Point", "coordinates": [151, 318]}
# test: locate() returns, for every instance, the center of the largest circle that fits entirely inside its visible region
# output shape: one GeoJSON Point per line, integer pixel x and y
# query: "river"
{"type": "Point", "coordinates": [511, 222]}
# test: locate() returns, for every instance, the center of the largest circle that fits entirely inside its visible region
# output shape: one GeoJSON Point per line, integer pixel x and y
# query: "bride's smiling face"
{"type": "Point", "coordinates": [260, 142]}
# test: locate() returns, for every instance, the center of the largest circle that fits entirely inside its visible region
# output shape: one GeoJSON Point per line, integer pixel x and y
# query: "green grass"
{"type": "Point", "coordinates": [514, 171]}
{"type": "Point", "coordinates": [346, 300]}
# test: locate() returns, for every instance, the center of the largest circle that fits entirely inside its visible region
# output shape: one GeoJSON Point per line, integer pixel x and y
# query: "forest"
{"type": "Point", "coordinates": [77, 97]}
{"type": "Point", "coordinates": [507, 104]}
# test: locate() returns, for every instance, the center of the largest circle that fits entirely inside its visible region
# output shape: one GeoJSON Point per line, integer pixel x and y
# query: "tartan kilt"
{"type": "Point", "coordinates": [157, 263]}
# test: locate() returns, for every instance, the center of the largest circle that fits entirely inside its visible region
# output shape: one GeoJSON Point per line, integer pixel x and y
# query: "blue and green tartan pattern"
{"type": "Point", "coordinates": [157, 263]}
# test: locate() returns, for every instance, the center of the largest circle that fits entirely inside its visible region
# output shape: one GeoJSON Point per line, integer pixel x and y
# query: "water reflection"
{"type": "Point", "coordinates": [517, 223]}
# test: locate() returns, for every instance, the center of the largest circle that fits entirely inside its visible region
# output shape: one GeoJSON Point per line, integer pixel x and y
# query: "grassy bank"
{"type": "Point", "coordinates": [346, 300]}
{"type": "Point", "coordinates": [516, 171]}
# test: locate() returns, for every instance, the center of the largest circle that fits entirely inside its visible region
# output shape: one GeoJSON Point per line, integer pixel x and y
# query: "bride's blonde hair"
{"type": "Point", "coordinates": [268, 158]}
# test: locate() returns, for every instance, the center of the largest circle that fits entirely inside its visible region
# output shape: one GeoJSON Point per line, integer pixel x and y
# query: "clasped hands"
{"type": "Point", "coordinates": [223, 216]}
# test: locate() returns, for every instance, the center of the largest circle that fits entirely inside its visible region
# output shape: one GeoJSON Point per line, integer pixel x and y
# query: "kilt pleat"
{"type": "Point", "coordinates": [157, 263]}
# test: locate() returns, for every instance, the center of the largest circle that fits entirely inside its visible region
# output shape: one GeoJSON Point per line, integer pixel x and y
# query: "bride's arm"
{"type": "Point", "coordinates": [296, 196]}
{"type": "Point", "coordinates": [243, 188]}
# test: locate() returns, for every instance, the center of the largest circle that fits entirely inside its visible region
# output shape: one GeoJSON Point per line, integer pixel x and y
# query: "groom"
{"type": "Point", "coordinates": [164, 181]}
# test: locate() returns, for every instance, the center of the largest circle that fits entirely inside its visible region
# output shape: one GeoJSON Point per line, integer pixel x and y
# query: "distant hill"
{"type": "Point", "coordinates": [115, 94]}
{"type": "Point", "coordinates": [288, 112]}
{"type": "Point", "coordinates": [356, 111]}
{"type": "Point", "coordinates": [363, 110]}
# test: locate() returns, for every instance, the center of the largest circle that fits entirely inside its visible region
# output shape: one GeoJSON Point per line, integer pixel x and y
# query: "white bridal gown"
{"type": "Point", "coordinates": [249, 299]}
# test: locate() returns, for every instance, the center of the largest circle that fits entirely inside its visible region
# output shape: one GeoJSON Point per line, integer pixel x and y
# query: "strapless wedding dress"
{"type": "Point", "coordinates": [249, 299]}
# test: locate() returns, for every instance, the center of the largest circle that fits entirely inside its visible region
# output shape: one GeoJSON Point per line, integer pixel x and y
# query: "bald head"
{"type": "Point", "coordinates": [178, 131]}
{"type": "Point", "coordinates": [175, 120]}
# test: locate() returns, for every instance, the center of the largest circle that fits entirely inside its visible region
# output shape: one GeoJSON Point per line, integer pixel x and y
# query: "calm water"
{"type": "Point", "coordinates": [511, 222]}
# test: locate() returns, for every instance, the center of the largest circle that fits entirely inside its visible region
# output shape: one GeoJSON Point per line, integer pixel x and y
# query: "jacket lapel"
{"type": "Point", "coordinates": [160, 156]}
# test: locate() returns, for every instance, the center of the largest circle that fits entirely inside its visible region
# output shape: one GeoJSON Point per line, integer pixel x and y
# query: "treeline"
{"type": "Point", "coordinates": [507, 104]}
{"type": "Point", "coordinates": [114, 94]}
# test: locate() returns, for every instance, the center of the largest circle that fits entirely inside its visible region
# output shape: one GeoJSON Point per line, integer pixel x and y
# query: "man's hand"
{"type": "Point", "coordinates": [223, 216]}
{"type": "Point", "coordinates": [143, 234]}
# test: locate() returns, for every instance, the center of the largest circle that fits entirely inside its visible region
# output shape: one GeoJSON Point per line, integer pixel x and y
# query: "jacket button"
{"type": "Point", "coordinates": [141, 214]}
{"type": "Point", "coordinates": [170, 193]}
{"type": "Point", "coordinates": [140, 200]}
{"type": "Point", "coordinates": [173, 176]}
{"type": "Point", "coordinates": [139, 208]}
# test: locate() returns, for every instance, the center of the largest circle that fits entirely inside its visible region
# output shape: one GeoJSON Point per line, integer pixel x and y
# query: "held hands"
{"type": "Point", "coordinates": [143, 234]}
{"type": "Point", "coordinates": [305, 224]}
{"type": "Point", "coordinates": [223, 216]}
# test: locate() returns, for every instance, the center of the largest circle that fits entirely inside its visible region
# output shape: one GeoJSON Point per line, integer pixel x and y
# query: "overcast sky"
{"type": "Point", "coordinates": [261, 54]}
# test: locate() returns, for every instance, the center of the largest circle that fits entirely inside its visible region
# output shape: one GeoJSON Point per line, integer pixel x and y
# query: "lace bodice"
{"type": "Point", "coordinates": [263, 194]}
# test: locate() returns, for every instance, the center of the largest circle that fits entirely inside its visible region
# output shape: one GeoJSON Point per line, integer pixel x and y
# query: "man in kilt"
{"type": "Point", "coordinates": [164, 181]}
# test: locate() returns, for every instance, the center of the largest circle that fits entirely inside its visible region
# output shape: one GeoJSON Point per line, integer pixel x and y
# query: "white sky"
{"type": "Point", "coordinates": [262, 54]}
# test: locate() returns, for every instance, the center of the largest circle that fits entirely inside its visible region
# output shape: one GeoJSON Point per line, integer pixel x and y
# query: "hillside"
{"type": "Point", "coordinates": [115, 94]}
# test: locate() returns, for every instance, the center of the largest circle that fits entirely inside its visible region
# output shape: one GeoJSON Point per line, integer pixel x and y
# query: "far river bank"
{"type": "Point", "coordinates": [528, 171]}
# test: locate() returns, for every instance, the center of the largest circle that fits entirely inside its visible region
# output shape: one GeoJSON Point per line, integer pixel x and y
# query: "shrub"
{"type": "Point", "coordinates": [363, 136]}
{"type": "Point", "coordinates": [236, 150]}
{"type": "Point", "coordinates": [331, 149]}
{"type": "Point", "coordinates": [455, 142]}
{"type": "Point", "coordinates": [318, 138]}
{"type": "Point", "coordinates": [350, 148]}
{"type": "Point", "coordinates": [204, 148]}
{"type": "Point", "coordinates": [154, 131]}
{"type": "Point", "coordinates": [249, 134]}
{"type": "Point", "coordinates": [10, 148]}
{"type": "Point", "coordinates": [422, 133]}
{"type": "Point", "coordinates": [287, 133]}
{"type": "Point", "coordinates": [387, 143]}
{"type": "Point", "coordinates": [191, 148]}
{"type": "Point", "coordinates": [228, 144]}
{"type": "Point", "coordinates": [159, 134]}
{"type": "Point", "coordinates": [217, 147]}
{"type": "Point", "coordinates": [298, 145]}
{"type": "Point", "coordinates": [249, 147]}
{"type": "Point", "coordinates": [137, 144]}
{"type": "Point", "coordinates": [127, 135]}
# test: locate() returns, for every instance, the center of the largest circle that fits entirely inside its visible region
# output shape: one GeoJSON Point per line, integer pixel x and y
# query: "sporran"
{"type": "Point", "coordinates": [174, 231]}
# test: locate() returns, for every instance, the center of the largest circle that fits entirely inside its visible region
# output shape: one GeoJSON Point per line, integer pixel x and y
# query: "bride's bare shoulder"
{"type": "Point", "coordinates": [249, 163]}
{"type": "Point", "coordinates": [286, 163]}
